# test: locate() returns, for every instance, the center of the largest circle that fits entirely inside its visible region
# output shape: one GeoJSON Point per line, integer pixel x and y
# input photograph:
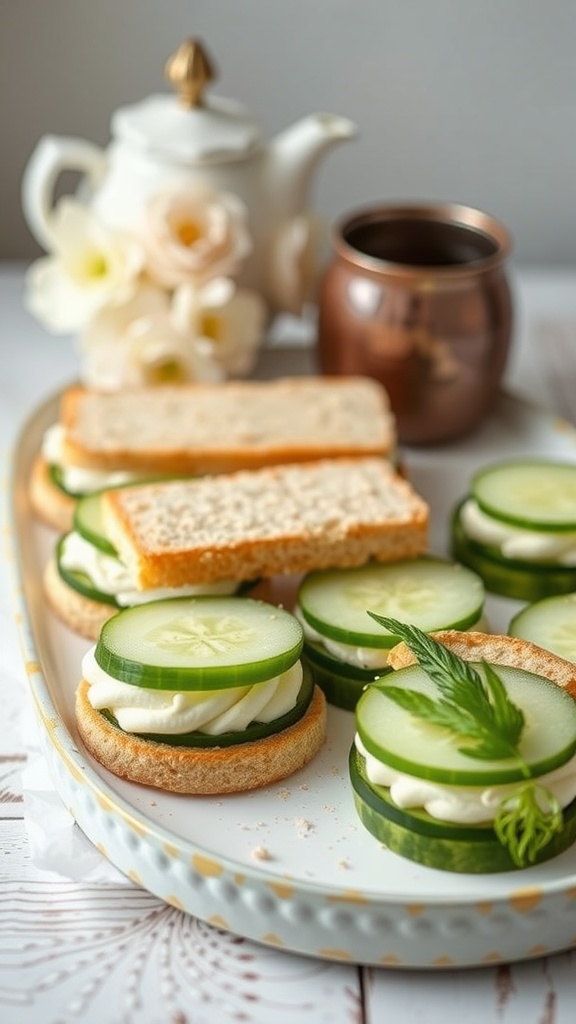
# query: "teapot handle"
{"type": "Point", "coordinates": [53, 155]}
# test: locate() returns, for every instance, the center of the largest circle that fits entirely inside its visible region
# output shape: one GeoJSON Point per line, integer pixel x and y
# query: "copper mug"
{"type": "Point", "coordinates": [417, 297]}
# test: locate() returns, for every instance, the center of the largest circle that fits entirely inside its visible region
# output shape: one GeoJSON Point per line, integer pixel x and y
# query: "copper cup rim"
{"type": "Point", "coordinates": [457, 214]}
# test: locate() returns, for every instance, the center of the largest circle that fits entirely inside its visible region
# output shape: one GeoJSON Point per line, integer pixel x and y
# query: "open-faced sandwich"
{"type": "Point", "coordinates": [465, 755]}
{"type": "Point", "coordinates": [231, 529]}
{"type": "Point", "coordinates": [345, 649]}
{"type": "Point", "coordinates": [105, 439]}
{"type": "Point", "coordinates": [201, 695]}
{"type": "Point", "coordinates": [517, 528]}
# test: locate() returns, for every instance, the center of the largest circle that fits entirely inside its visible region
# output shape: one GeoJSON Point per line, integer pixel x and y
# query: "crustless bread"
{"type": "Point", "coordinates": [267, 522]}
{"type": "Point", "coordinates": [201, 428]}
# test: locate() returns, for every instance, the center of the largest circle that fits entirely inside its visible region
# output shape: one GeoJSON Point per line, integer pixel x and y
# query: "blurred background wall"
{"type": "Point", "coordinates": [454, 99]}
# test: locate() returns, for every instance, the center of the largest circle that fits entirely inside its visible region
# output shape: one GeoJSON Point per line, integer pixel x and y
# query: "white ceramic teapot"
{"type": "Point", "coordinates": [170, 141]}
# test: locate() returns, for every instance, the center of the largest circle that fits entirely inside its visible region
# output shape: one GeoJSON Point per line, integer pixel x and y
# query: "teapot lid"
{"type": "Point", "coordinates": [190, 126]}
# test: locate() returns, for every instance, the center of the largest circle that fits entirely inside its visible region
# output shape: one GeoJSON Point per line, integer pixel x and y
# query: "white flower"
{"type": "Point", "coordinates": [229, 320]}
{"type": "Point", "coordinates": [294, 263]}
{"type": "Point", "coordinates": [193, 234]}
{"type": "Point", "coordinates": [90, 265]}
{"type": "Point", "coordinates": [137, 344]}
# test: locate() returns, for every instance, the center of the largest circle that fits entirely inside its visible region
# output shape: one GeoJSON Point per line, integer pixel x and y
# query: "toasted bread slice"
{"type": "Point", "coordinates": [266, 522]}
{"type": "Point", "coordinates": [214, 770]}
{"type": "Point", "coordinates": [219, 428]}
{"type": "Point", "coordinates": [49, 504]}
{"type": "Point", "coordinates": [498, 650]}
{"type": "Point", "coordinates": [81, 614]}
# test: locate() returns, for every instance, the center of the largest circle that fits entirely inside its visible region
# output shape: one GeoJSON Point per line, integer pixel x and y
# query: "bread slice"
{"type": "Point", "coordinates": [212, 770]}
{"type": "Point", "coordinates": [222, 427]}
{"type": "Point", "coordinates": [81, 614]}
{"type": "Point", "coordinates": [274, 521]}
{"type": "Point", "coordinates": [499, 650]}
{"type": "Point", "coordinates": [49, 504]}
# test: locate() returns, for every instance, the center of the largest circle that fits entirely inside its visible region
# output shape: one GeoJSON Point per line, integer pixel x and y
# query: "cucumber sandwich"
{"type": "Point", "coordinates": [200, 695]}
{"type": "Point", "coordinates": [103, 439]}
{"type": "Point", "coordinates": [465, 755]}
{"type": "Point", "coordinates": [345, 649]}
{"type": "Point", "coordinates": [517, 528]}
{"type": "Point", "coordinates": [86, 582]}
{"type": "Point", "coordinates": [240, 527]}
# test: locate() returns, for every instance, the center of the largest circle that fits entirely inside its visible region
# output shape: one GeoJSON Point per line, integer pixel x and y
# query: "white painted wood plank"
{"type": "Point", "coordinates": [534, 992]}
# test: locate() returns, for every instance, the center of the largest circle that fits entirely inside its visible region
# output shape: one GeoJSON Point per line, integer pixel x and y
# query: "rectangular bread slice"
{"type": "Point", "coordinates": [279, 520]}
{"type": "Point", "coordinates": [219, 428]}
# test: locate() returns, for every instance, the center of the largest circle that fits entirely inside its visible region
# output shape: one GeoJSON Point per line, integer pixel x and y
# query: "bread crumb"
{"type": "Point", "coordinates": [284, 793]}
{"type": "Point", "coordinates": [304, 827]}
{"type": "Point", "coordinates": [344, 863]}
{"type": "Point", "coordinates": [261, 853]}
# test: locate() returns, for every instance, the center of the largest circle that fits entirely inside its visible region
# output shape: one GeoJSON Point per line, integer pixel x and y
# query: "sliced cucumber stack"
{"type": "Point", "coordinates": [519, 579]}
{"type": "Point", "coordinates": [550, 623]}
{"type": "Point", "coordinates": [517, 528]}
{"type": "Point", "coordinates": [345, 648]}
{"type": "Point", "coordinates": [465, 767]}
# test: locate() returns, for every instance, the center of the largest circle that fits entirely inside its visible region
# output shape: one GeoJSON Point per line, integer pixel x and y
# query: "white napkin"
{"type": "Point", "coordinates": [58, 847]}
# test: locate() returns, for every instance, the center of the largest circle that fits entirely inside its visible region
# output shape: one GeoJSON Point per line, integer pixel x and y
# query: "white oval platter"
{"type": "Point", "coordinates": [291, 866]}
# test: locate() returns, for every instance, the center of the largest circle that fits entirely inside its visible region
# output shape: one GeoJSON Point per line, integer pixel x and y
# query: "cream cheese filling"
{"type": "Point", "coordinates": [516, 542]}
{"type": "Point", "coordinates": [174, 712]}
{"type": "Point", "coordinates": [80, 479]}
{"type": "Point", "coordinates": [361, 657]}
{"type": "Point", "coordinates": [111, 576]}
{"type": "Point", "coordinates": [463, 805]}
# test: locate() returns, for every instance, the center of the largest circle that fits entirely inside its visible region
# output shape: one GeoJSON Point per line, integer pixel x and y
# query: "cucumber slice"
{"type": "Point", "coordinates": [80, 581]}
{"type": "Point", "coordinates": [57, 478]}
{"type": "Point", "coordinates": [255, 731]}
{"type": "Point", "coordinates": [429, 592]}
{"type": "Point", "coordinates": [89, 524]}
{"type": "Point", "coordinates": [343, 684]}
{"type": "Point", "coordinates": [199, 643]}
{"type": "Point", "coordinates": [523, 581]}
{"type": "Point", "coordinates": [409, 745]}
{"type": "Point", "coordinates": [550, 623]}
{"type": "Point", "coordinates": [473, 849]}
{"type": "Point", "coordinates": [535, 494]}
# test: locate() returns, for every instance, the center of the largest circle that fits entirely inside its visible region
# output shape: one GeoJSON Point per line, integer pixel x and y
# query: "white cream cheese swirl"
{"type": "Point", "coordinates": [516, 542]}
{"type": "Point", "coordinates": [175, 712]}
{"type": "Point", "coordinates": [80, 479]}
{"type": "Point", "coordinates": [111, 576]}
{"type": "Point", "coordinates": [463, 805]}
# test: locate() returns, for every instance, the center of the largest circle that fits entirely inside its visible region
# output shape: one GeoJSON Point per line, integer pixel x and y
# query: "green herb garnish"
{"type": "Point", "coordinates": [479, 712]}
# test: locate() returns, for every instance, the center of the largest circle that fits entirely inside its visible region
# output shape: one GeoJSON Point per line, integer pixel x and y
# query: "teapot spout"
{"type": "Point", "coordinates": [295, 153]}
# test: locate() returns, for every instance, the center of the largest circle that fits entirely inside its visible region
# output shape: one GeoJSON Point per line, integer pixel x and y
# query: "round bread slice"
{"type": "Point", "coordinates": [498, 649]}
{"type": "Point", "coordinates": [49, 504]}
{"type": "Point", "coordinates": [85, 616]}
{"type": "Point", "coordinates": [202, 771]}
{"type": "Point", "coordinates": [81, 614]}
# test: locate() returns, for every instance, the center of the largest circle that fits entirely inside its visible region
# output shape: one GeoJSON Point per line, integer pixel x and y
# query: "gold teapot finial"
{"type": "Point", "coordinates": [190, 70]}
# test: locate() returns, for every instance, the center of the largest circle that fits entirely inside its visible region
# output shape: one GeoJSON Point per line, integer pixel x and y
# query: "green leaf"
{"type": "Point", "coordinates": [477, 710]}
{"type": "Point", "coordinates": [526, 822]}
